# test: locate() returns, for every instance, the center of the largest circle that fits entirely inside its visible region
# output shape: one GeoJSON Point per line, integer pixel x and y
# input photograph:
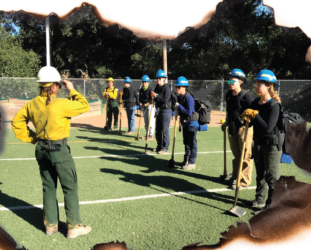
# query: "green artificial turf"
{"type": "Point", "coordinates": [154, 223]}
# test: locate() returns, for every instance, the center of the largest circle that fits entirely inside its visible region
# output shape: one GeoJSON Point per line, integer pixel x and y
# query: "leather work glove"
{"type": "Point", "coordinates": [107, 94]}
{"type": "Point", "coordinates": [176, 104]}
{"type": "Point", "coordinates": [147, 104]}
{"type": "Point", "coordinates": [249, 114]}
{"type": "Point", "coordinates": [153, 95]}
{"type": "Point", "coordinates": [121, 101]}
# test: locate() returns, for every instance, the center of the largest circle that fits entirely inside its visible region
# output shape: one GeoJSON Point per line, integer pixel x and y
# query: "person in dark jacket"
{"type": "Point", "coordinates": [164, 113]}
{"type": "Point", "coordinates": [129, 100]}
{"type": "Point", "coordinates": [263, 116]}
{"type": "Point", "coordinates": [189, 120]}
{"type": "Point", "coordinates": [145, 104]}
{"type": "Point", "coordinates": [237, 101]}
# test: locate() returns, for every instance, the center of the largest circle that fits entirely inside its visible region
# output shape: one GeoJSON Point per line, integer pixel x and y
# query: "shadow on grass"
{"type": "Point", "coordinates": [171, 183]}
{"type": "Point", "coordinates": [149, 162]}
{"type": "Point", "coordinates": [33, 216]}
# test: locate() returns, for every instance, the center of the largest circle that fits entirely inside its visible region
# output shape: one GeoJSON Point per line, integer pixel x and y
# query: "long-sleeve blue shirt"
{"type": "Point", "coordinates": [186, 109]}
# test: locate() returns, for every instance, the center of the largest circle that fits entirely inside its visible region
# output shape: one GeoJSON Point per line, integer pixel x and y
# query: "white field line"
{"type": "Point", "coordinates": [130, 198]}
{"type": "Point", "coordinates": [106, 156]}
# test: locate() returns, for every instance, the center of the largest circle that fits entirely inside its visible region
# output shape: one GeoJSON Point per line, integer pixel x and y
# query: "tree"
{"type": "Point", "coordinates": [16, 62]}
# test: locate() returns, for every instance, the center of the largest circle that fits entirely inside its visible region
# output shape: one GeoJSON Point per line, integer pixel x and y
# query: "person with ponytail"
{"type": "Point", "coordinates": [263, 115]}
{"type": "Point", "coordinates": [51, 118]}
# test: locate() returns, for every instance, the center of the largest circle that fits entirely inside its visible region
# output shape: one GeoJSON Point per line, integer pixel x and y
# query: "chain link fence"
{"type": "Point", "coordinates": [295, 94]}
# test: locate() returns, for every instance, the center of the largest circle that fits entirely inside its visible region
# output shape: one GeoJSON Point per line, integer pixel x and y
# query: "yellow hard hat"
{"type": "Point", "coordinates": [110, 79]}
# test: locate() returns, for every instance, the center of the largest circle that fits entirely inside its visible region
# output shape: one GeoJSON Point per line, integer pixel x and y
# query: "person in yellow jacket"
{"type": "Point", "coordinates": [110, 93]}
{"type": "Point", "coordinates": [51, 118]}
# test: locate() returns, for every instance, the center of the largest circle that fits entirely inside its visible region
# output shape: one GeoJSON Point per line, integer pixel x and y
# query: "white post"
{"type": "Point", "coordinates": [164, 58]}
{"type": "Point", "coordinates": [222, 96]}
{"type": "Point", "coordinates": [84, 86]}
{"type": "Point", "coordinates": [47, 35]}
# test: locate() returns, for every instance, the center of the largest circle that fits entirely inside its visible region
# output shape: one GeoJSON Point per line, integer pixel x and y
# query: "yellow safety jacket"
{"type": "Point", "coordinates": [55, 117]}
{"type": "Point", "coordinates": [112, 93]}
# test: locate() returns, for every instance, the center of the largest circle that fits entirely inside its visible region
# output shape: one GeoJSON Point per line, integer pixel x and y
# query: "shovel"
{"type": "Point", "coordinates": [171, 162]}
{"type": "Point", "coordinates": [235, 210]}
{"type": "Point", "coordinates": [147, 137]}
{"type": "Point", "coordinates": [137, 138]}
{"type": "Point", "coordinates": [225, 175]}
{"type": "Point", "coordinates": [106, 127]}
{"type": "Point", "coordinates": [121, 93]}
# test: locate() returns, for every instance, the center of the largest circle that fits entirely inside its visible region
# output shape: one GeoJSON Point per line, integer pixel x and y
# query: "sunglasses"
{"type": "Point", "coordinates": [259, 85]}
{"type": "Point", "coordinates": [178, 87]}
{"type": "Point", "coordinates": [232, 81]}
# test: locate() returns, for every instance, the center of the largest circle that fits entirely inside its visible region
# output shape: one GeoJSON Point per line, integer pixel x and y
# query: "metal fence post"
{"type": "Point", "coordinates": [222, 96]}
{"type": "Point", "coordinates": [279, 90]}
{"type": "Point", "coordinates": [84, 86]}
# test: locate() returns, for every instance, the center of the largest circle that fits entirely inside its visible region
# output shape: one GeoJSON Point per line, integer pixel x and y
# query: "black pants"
{"type": "Point", "coordinates": [162, 129]}
{"type": "Point", "coordinates": [267, 161]}
{"type": "Point", "coordinates": [190, 142]}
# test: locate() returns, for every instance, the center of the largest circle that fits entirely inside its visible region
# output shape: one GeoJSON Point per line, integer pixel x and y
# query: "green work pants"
{"type": "Point", "coordinates": [58, 165]}
{"type": "Point", "coordinates": [267, 161]}
{"type": "Point", "coordinates": [113, 109]}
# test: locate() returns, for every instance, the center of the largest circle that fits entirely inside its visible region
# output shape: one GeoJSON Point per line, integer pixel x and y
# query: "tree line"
{"type": "Point", "coordinates": [241, 34]}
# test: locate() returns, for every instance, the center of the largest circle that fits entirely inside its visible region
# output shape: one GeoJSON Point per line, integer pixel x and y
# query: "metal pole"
{"type": "Point", "coordinates": [164, 58]}
{"type": "Point", "coordinates": [84, 86]}
{"type": "Point", "coordinates": [47, 35]}
{"type": "Point", "coordinates": [222, 96]}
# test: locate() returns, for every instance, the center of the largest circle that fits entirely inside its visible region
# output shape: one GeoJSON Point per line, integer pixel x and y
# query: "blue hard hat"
{"type": "Point", "coordinates": [182, 81]}
{"type": "Point", "coordinates": [161, 74]}
{"type": "Point", "coordinates": [127, 80]}
{"type": "Point", "coordinates": [267, 76]}
{"type": "Point", "coordinates": [145, 78]}
{"type": "Point", "coordinates": [238, 73]}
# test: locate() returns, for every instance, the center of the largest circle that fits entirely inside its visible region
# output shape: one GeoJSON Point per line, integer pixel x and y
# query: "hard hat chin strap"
{"type": "Point", "coordinates": [45, 84]}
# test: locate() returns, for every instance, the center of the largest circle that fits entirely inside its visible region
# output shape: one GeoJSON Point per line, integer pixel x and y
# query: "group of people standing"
{"type": "Point", "coordinates": [51, 118]}
{"type": "Point", "coordinates": [161, 98]}
{"type": "Point", "coordinates": [263, 140]}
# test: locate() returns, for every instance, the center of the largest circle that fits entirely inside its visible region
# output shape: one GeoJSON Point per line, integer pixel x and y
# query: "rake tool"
{"type": "Point", "coordinates": [171, 162]}
{"type": "Point", "coordinates": [141, 112]}
{"type": "Point", "coordinates": [235, 210]}
{"type": "Point", "coordinates": [121, 93]}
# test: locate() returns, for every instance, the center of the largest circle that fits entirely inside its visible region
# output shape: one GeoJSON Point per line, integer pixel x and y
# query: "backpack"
{"type": "Point", "coordinates": [203, 108]}
{"type": "Point", "coordinates": [136, 97]}
{"type": "Point", "coordinates": [284, 117]}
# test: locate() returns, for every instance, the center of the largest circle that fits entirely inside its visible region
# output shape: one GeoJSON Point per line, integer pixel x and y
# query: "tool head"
{"type": "Point", "coordinates": [137, 138]}
{"type": "Point", "coordinates": [237, 211]}
{"type": "Point", "coordinates": [171, 163]}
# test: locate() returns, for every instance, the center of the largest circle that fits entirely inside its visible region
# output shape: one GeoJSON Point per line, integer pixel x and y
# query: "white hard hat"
{"type": "Point", "coordinates": [48, 74]}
